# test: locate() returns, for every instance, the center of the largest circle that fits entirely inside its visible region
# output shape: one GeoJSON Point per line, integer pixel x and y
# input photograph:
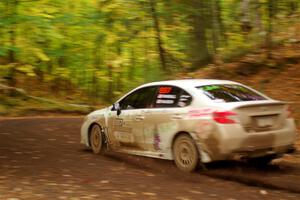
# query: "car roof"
{"type": "Point", "coordinates": [188, 83]}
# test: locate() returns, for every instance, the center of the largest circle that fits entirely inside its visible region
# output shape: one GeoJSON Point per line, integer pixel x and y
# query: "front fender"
{"type": "Point", "coordinates": [97, 117]}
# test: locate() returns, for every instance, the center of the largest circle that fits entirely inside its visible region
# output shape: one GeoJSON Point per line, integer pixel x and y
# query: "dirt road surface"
{"type": "Point", "coordinates": [41, 158]}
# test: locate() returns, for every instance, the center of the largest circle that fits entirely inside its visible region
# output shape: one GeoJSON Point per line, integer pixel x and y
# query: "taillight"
{"type": "Point", "coordinates": [223, 117]}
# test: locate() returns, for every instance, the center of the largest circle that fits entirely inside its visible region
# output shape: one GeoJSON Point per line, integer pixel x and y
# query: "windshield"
{"type": "Point", "coordinates": [230, 93]}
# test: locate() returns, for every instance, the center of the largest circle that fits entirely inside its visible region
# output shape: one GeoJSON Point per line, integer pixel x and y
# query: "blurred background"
{"type": "Point", "coordinates": [72, 56]}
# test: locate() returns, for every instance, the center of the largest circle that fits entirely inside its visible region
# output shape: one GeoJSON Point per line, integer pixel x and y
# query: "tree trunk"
{"type": "Point", "coordinates": [160, 48]}
{"type": "Point", "coordinates": [132, 66]}
{"type": "Point", "coordinates": [220, 23]}
{"type": "Point", "coordinates": [97, 67]}
{"type": "Point", "coordinates": [293, 7]}
{"type": "Point", "coordinates": [109, 94]}
{"type": "Point", "coordinates": [215, 27]}
{"type": "Point", "coordinates": [270, 28]}
{"type": "Point", "coordinates": [258, 15]}
{"type": "Point", "coordinates": [245, 17]}
{"type": "Point", "coordinates": [119, 82]}
{"type": "Point", "coordinates": [12, 13]}
{"type": "Point", "coordinates": [198, 50]}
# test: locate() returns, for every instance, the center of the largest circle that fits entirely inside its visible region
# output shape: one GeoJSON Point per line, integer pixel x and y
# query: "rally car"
{"type": "Point", "coordinates": [193, 122]}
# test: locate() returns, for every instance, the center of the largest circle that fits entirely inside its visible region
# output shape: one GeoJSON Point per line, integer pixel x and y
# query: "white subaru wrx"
{"type": "Point", "coordinates": [193, 122]}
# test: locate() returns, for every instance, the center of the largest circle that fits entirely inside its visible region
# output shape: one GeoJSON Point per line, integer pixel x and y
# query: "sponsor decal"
{"type": "Point", "coordinates": [124, 137]}
{"type": "Point", "coordinates": [166, 96]}
{"type": "Point", "coordinates": [183, 99]}
{"type": "Point", "coordinates": [157, 141]}
{"type": "Point", "coordinates": [165, 90]}
{"type": "Point", "coordinates": [181, 104]}
{"type": "Point", "coordinates": [164, 101]}
{"type": "Point", "coordinates": [211, 87]}
{"type": "Point", "coordinates": [200, 112]}
{"type": "Point", "coordinates": [119, 122]}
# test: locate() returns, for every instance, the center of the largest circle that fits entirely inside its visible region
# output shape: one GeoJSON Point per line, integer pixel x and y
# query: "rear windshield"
{"type": "Point", "coordinates": [230, 93]}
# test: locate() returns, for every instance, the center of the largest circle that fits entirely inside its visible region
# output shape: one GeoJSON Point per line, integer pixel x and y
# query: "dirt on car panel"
{"type": "Point", "coordinates": [212, 143]}
{"type": "Point", "coordinates": [260, 141]}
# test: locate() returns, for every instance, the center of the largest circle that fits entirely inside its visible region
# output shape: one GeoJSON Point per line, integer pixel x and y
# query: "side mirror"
{"type": "Point", "coordinates": [116, 107]}
{"type": "Point", "coordinates": [118, 111]}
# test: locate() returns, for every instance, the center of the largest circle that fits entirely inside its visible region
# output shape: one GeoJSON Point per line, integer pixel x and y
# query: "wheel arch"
{"type": "Point", "coordinates": [203, 156]}
{"type": "Point", "coordinates": [182, 133]}
{"type": "Point", "coordinates": [90, 129]}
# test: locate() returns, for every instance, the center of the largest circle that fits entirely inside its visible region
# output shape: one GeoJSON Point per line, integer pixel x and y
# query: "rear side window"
{"type": "Point", "coordinates": [170, 96]}
{"type": "Point", "coordinates": [230, 93]}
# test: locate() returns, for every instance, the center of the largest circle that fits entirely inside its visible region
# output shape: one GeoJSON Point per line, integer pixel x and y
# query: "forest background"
{"type": "Point", "coordinates": [57, 54]}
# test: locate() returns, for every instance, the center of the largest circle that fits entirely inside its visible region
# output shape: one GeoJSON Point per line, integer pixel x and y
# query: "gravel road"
{"type": "Point", "coordinates": [41, 158]}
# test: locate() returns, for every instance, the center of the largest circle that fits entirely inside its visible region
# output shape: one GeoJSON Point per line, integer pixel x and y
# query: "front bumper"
{"type": "Point", "coordinates": [84, 133]}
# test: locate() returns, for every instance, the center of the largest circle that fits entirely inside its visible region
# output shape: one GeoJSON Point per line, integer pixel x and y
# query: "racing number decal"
{"type": "Point", "coordinates": [165, 90]}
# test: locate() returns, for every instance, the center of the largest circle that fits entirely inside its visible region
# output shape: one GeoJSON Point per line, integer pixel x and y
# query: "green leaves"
{"type": "Point", "coordinates": [103, 45]}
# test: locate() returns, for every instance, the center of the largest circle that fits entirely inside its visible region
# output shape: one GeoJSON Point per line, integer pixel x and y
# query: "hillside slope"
{"type": "Point", "coordinates": [278, 77]}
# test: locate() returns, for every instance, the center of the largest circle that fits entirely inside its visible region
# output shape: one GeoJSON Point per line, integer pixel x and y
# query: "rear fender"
{"type": "Point", "coordinates": [204, 157]}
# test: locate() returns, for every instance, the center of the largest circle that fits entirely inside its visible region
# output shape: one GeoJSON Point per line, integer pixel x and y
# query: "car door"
{"type": "Point", "coordinates": [126, 129]}
{"type": "Point", "coordinates": [161, 122]}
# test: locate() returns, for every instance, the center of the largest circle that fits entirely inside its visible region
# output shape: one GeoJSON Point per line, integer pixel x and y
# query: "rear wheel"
{"type": "Point", "coordinates": [96, 139]}
{"type": "Point", "coordinates": [185, 153]}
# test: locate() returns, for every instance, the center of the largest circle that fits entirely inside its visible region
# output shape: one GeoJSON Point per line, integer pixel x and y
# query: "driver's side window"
{"type": "Point", "coordinates": [128, 102]}
{"type": "Point", "coordinates": [142, 98]}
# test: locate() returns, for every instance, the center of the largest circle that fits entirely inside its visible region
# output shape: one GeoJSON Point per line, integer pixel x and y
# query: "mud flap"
{"type": "Point", "coordinates": [106, 137]}
{"type": "Point", "coordinates": [203, 156]}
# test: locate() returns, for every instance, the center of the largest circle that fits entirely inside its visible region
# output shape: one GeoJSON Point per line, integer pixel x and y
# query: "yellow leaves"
{"type": "Point", "coordinates": [6, 67]}
{"type": "Point", "coordinates": [117, 93]}
{"type": "Point", "coordinates": [46, 15]}
{"type": "Point", "coordinates": [40, 54]}
{"type": "Point", "coordinates": [26, 69]}
{"type": "Point", "coordinates": [112, 38]}
{"type": "Point", "coordinates": [115, 7]}
{"type": "Point", "coordinates": [42, 11]}
{"type": "Point", "coordinates": [21, 68]}
{"type": "Point", "coordinates": [100, 74]}
{"type": "Point", "coordinates": [120, 27]}
{"type": "Point", "coordinates": [63, 72]}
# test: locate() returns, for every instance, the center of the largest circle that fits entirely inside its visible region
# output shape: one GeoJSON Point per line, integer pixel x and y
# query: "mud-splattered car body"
{"type": "Point", "coordinates": [225, 119]}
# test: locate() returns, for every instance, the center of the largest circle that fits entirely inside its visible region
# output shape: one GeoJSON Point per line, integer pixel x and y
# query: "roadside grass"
{"type": "Point", "coordinates": [24, 106]}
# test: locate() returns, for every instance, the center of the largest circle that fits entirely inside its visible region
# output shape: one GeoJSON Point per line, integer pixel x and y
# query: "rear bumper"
{"type": "Point", "coordinates": [253, 153]}
{"type": "Point", "coordinates": [236, 142]}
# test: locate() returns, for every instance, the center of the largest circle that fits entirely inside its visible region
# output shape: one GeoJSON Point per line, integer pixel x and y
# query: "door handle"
{"type": "Point", "coordinates": [139, 118]}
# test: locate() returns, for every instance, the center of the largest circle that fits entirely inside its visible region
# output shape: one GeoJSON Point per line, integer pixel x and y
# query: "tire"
{"type": "Point", "coordinates": [186, 155]}
{"type": "Point", "coordinates": [96, 139]}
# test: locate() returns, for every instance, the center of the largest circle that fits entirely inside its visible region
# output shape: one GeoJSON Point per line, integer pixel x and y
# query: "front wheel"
{"type": "Point", "coordinates": [185, 153]}
{"type": "Point", "coordinates": [96, 139]}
